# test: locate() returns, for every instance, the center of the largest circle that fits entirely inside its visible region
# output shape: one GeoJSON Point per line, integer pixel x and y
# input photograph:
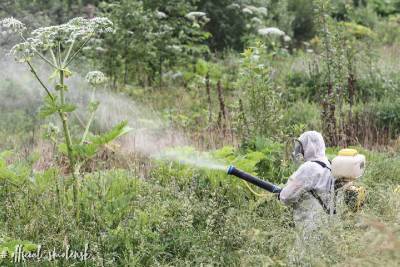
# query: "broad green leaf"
{"type": "Point", "coordinates": [119, 130]}
{"type": "Point", "coordinates": [67, 107]}
{"type": "Point", "coordinates": [49, 107]}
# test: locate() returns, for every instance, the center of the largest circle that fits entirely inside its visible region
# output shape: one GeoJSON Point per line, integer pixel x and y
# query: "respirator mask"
{"type": "Point", "coordinates": [298, 151]}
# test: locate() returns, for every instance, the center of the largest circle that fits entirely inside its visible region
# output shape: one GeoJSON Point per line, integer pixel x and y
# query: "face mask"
{"type": "Point", "coordinates": [298, 152]}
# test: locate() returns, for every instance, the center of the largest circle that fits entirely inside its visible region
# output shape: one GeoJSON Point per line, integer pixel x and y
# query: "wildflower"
{"type": "Point", "coordinates": [46, 38]}
{"type": "Point", "coordinates": [176, 48]}
{"type": "Point", "coordinates": [256, 21]}
{"type": "Point", "coordinates": [261, 66]}
{"type": "Point", "coordinates": [247, 10]}
{"type": "Point", "coordinates": [255, 57]}
{"type": "Point", "coordinates": [233, 6]}
{"type": "Point", "coordinates": [22, 52]}
{"type": "Point", "coordinates": [270, 31]}
{"type": "Point", "coordinates": [177, 75]}
{"type": "Point", "coordinates": [101, 25]}
{"type": "Point", "coordinates": [100, 49]}
{"type": "Point", "coordinates": [262, 11]}
{"type": "Point", "coordinates": [195, 15]}
{"type": "Point", "coordinates": [95, 77]}
{"type": "Point", "coordinates": [255, 10]}
{"type": "Point", "coordinates": [160, 15]}
{"type": "Point", "coordinates": [287, 38]}
{"type": "Point", "coordinates": [12, 24]}
{"type": "Point", "coordinates": [52, 132]}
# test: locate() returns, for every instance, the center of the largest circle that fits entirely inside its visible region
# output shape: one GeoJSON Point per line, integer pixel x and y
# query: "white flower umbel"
{"type": "Point", "coordinates": [41, 40]}
{"type": "Point", "coordinates": [233, 6]}
{"type": "Point", "coordinates": [175, 48]}
{"type": "Point", "coordinates": [258, 11]}
{"type": "Point", "coordinates": [195, 15]}
{"type": "Point", "coordinates": [95, 78]}
{"type": "Point", "coordinates": [247, 10]}
{"type": "Point", "coordinates": [256, 21]}
{"type": "Point", "coordinates": [11, 24]}
{"type": "Point", "coordinates": [22, 52]}
{"type": "Point", "coordinates": [263, 11]}
{"type": "Point", "coordinates": [287, 38]}
{"type": "Point", "coordinates": [270, 31]}
{"type": "Point", "coordinates": [161, 15]}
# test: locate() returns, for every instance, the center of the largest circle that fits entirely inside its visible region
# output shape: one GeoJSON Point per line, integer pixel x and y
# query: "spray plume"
{"type": "Point", "coordinates": [152, 136]}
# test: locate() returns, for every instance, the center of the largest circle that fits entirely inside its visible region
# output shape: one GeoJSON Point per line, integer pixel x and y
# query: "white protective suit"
{"type": "Point", "coordinates": [310, 175]}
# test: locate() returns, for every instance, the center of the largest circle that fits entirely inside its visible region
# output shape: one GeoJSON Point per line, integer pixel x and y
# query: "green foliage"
{"type": "Point", "coordinates": [50, 107]}
{"type": "Point", "coordinates": [178, 217]}
{"type": "Point", "coordinates": [388, 30]}
{"type": "Point", "coordinates": [227, 24]}
{"type": "Point", "coordinates": [304, 23]}
{"type": "Point", "coordinates": [385, 8]}
{"type": "Point", "coordinates": [302, 114]}
{"type": "Point", "coordinates": [260, 156]}
{"type": "Point", "coordinates": [13, 174]}
{"type": "Point", "coordinates": [201, 68]}
{"type": "Point", "coordinates": [10, 245]}
{"type": "Point", "coordinates": [93, 143]}
{"type": "Point", "coordinates": [186, 210]}
{"type": "Point", "coordinates": [153, 35]}
{"type": "Point", "coordinates": [357, 30]}
{"type": "Point", "coordinates": [261, 100]}
{"type": "Point", "coordinates": [384, 114]}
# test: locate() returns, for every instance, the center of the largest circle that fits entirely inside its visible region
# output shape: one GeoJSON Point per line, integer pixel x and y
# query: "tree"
{"type": "Point", "coordinates": [150, 35]}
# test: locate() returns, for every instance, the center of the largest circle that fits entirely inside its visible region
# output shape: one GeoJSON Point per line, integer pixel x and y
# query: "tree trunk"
{"type": "Point", "coordinates": [222, 111]}
{"type": "Point", "coordinates": [208, 91]}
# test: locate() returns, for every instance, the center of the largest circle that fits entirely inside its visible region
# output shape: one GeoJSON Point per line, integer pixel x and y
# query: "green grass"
{"type": "Point", "coordinates": [183, 216]}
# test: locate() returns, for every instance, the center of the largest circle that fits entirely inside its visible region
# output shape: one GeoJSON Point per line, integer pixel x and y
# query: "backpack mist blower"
{"type": "Point", "coordinates": [347, 167]}
{"type": "Point", "coordinates": [254, 180]}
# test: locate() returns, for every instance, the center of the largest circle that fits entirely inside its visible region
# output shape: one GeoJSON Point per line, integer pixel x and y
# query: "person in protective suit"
{"type": "Point", "coordinates": [309, 189]}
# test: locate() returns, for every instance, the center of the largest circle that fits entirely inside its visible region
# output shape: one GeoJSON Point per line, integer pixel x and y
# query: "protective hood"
{"type": "Point", "coordinates": [313, 146]}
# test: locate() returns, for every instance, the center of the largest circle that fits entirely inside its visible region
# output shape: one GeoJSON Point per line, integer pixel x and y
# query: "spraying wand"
{"type": "Point", "coordinates": [253, 180]}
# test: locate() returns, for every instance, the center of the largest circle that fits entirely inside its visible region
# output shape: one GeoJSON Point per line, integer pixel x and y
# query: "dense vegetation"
{"type": "Point", "coordinates": [125, 158]}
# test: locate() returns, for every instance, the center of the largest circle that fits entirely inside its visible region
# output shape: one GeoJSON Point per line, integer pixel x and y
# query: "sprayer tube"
{"type": "Point", "coordinates": [254, 180]}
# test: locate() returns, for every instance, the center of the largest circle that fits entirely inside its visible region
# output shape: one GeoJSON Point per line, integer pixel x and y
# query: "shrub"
{"type": "Point", "coordinates": [383, 115]}
{"type": "Point", "coordinates": [302, 113]}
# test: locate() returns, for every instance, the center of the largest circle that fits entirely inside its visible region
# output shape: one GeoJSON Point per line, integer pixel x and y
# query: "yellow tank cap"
{"type": "Point", "coordinates": [348, 152]}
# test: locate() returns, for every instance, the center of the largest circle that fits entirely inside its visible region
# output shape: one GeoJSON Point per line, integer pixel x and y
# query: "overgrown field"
{"type": "Point", "coordinates": [117, 125]}
{"type": "Point", "coordinates": [184, 216]}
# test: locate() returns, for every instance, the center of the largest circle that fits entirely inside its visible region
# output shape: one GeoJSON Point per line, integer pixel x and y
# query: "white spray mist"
{"type": "Point", "coordinates": [152, 136]}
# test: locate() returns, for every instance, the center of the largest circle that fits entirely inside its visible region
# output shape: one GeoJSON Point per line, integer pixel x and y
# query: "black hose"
{"type": "Point", "coordinates": [254, 180]}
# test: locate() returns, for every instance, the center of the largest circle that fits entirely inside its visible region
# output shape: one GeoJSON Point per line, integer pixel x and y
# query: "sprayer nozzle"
{"type": "Point", "coordinates": [230, 169]}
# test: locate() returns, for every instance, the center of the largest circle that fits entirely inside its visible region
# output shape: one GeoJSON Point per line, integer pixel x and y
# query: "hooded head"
{"type": "Point", "coordinates": [313, 146]}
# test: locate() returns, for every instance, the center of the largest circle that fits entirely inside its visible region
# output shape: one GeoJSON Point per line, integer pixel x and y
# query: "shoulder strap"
{"type": "Point", "coordinates": [314, 193]}
{"type": "Point", "coordinates": [318, 198]}
{"type": "Point", "coordinates": [322, 164]}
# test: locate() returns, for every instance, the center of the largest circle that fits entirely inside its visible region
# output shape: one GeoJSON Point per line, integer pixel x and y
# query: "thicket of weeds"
{"type": "Point", "coordinates": [182, 216]}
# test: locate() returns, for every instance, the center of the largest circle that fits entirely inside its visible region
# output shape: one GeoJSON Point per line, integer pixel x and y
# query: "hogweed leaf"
{"type": "Point", "coordinates": [49, 107]}
{"type": "Point", "coordinates": [119, 130]}
{"type": "Point", "coordinates": [68, 107]}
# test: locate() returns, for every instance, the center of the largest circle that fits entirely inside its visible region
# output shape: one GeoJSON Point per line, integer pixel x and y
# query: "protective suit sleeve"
{"type": "Point", "coordinates": [296, 185]}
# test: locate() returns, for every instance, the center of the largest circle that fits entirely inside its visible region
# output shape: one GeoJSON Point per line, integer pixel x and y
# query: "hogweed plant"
{"type": "Point", "coordinates": [58, 46]}
{"type": "Point", "coordinates": [261, 100]}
